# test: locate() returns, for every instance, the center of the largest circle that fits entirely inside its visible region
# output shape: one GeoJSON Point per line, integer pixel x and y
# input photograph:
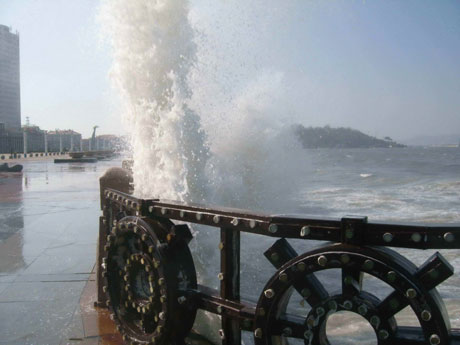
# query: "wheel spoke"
{"type": "Point", "coordinates": [352, 281]}
{"type": "Point", "coordinates": [391, 305]}
{"type": "Point", "coordinates": [289, 325]}
{"type": "Point", "coordinates": [311, 289]}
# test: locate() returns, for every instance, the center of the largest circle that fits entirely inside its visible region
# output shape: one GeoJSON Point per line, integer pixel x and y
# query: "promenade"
{"type": "Point", "coordinates": [48, 234]}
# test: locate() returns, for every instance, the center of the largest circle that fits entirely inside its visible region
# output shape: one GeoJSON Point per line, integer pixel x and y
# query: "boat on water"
{"type": "Point", "coordinates": [15, 168]}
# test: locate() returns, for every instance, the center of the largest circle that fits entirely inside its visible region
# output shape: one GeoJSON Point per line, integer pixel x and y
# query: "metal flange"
{"type": "Point", "coordinates": [147, 275]}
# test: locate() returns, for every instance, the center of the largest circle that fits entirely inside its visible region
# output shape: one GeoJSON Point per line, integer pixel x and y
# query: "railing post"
{"type": "Point", "coordinates": [230, 282]}
{"type": "Point", "coordinates": [119, 179]}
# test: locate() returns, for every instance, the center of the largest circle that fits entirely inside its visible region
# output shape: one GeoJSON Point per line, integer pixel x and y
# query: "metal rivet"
{"type": "Point", "coordinates": [301, 266]}
{"type": "Point", "coordinates": [449, 237]}
{"type": "Point", "coordinates": [269, 293]}
{"type": "Point", "coordinates": [416, 237]}
{"type": "Point", "coordinates": [348, 280]}
{"type": "Point", "coordinates": [161, 281]}
{"type": "Point", "coordinates": [221, 245]}
{"type": "Point", "coordinates": [274, 257]}
{"type": "Point", "coordinates": [345, 258]}
{"type": "Point", "coordinates": [368, 264]}
{"type": "Point", "coordinates": [387, 237]}
{"type": "Point", "coordinates": [220, 276]}
{"type": "Point", "coordinates": [252, 223]}
{"type": "Point", "coordinates": [391, 276]}
{"type": "Point", "coordinates": [182, 214]}
{"type": "Point", "coordinates": [383, 334]}
{"type": "Point", "coordinates": [216, 219]}
{"type": "Point", "coordinates": [164, 211]}
{"type": "Point", "coordinates": [219, 309]}
{"type": "Point", "coordinates": [411, 293]}
{"type": "Point", "coordinates": [305, 293]}
{"type": "Point", "coordinates": [362, 309]}
{"type": "Point", "coordinates": [287, 332]}
{"type": "Point", "coordinates": [235, 222]}
{"type": "Point", "coordinates": [320, 311]}
{"type": "Point", "coordinates": [258, 333]}
{"type": "Point", "coordinates": [322, 261]}
{"type": "Point", "coordinates": [308, 335]}
{"type": "Point", "coordinates": [348, 305]}
{"type": "Point", "coordinates": [375, 321]}
{"type": "Point", "coordinates": [273, 228]}
{"type": "Point", "coordinates": [332, 305]}
{"type": "Point", "coordinates": [150, 209]}
{"type": "Point", "coordinates": [199, 216]}
{"type": "Point", "coordinates": [426, 315]}
{"type": "Point", "coordinates": [305, 231]}
{"type": "Point", "coordinates": [162, 316]}
{"type": "Point", "coordinates": [434, 339]}
{"type": "Point", "coordinates": [283, 277]}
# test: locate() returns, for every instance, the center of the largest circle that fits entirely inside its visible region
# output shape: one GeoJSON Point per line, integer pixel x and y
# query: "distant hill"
{"type": "Point", "coordinates": [328, 137]}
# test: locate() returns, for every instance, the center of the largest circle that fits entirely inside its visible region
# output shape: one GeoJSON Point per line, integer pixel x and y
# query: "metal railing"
{"type": "Point", "coordinates": [148, 280]}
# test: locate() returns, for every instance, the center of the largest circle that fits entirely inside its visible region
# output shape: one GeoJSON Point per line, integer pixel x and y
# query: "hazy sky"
{"type": "Point", "coordinates": [384, 67]}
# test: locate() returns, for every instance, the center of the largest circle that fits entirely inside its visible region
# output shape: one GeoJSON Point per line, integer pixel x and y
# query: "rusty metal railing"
{"type": "Point", "coordinates": [148, 279]}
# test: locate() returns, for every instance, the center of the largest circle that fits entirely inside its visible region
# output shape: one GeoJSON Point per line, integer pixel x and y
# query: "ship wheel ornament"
{"type": "Point", "coordinates": [147, 273]}
{"type": "Point", "coordinates": [411, 286]}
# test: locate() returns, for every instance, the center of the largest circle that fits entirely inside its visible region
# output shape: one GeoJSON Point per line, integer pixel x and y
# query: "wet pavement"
{"type": "Point", "coordinates": [48, 234]}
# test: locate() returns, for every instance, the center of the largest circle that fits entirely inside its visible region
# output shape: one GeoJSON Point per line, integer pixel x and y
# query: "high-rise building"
{"type": "Point", "coordinates": [10, 97]}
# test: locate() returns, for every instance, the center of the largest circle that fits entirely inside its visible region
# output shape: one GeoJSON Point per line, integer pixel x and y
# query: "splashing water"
{"type": "Point", "coordinates": [228, 153]}
{"type": "Point", "coordinates": [153, 51]}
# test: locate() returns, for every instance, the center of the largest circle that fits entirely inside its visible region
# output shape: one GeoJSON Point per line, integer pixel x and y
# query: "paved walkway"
{"type": "Point", "coordinates": [48, 233]}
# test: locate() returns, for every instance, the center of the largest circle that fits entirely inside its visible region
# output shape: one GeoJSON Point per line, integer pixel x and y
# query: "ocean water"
{"type": "Point", "coordinates": [409, 185]}
{"type": "Point", "coordinates": [208, 124]}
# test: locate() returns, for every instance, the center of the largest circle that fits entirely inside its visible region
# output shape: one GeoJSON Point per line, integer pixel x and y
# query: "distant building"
{"type": "Point", "coordinates": [34, 139]}
{"type": "Point", "coordinates": [63, 140]}
{"type": "Point", "coordinates": [10, 97]}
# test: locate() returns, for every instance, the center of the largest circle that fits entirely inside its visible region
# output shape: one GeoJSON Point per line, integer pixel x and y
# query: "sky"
{"type": "Point", "coordinates": [388, 68]}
